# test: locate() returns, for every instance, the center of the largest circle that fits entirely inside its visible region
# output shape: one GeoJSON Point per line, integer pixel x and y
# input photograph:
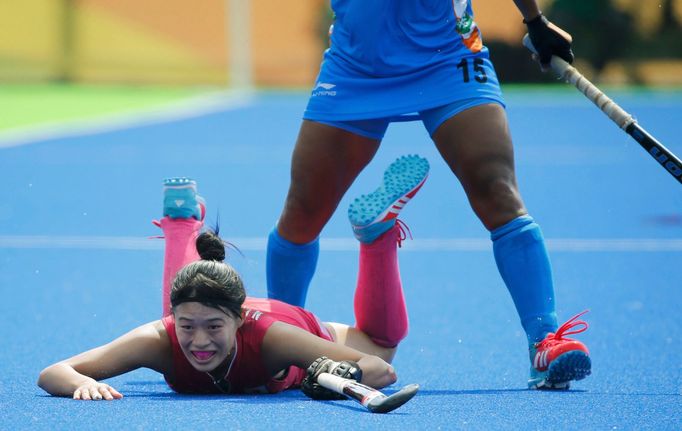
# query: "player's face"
{"type": "Point", "coordinates": [206, 335]}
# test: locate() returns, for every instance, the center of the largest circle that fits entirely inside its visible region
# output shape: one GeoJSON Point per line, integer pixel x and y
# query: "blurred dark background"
{"type": "Point", "coordinates": [271, 43]}
{"type": "Point", "coordinates": [611, 40]}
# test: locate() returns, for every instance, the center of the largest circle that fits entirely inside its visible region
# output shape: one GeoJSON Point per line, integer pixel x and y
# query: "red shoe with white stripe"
{"type": "Point", "coordinates": [557, 360]}
{"type": "Point", "coordinates": [373, 214]}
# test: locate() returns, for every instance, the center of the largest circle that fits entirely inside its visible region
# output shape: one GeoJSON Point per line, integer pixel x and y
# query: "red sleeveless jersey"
{"type": "Point", "coordinates": [247, 373]}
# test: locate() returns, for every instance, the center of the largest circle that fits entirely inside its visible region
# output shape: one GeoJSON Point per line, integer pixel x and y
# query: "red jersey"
{"type": "Point", "coordinates": [247, 374]}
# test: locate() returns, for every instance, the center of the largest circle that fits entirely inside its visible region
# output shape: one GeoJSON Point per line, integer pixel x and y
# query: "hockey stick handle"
{"type": "Point", "coordinates": [571, 75]}
{"type": "Point", "coordinates": [372, 399]}
{"type": "Point", "coordinates": [617, 114]}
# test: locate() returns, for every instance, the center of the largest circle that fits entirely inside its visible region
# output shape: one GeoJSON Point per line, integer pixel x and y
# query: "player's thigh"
{"type": "Point", "coordinates": [358, 340]}
{"type": "Point", "coordinates": [332, 155]}
{"type": "Point", "coordinates": [325, 162]}
{"type": "Point", "coordinates": [476, 137]}
{"type": "Point", "coordinates": [477, 146]}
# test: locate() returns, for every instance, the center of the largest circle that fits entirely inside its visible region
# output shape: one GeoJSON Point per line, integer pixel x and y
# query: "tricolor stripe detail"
{"type": "Point", "coordinates": [540, 361]}
{"type": "Point", "coordinates": [398, 205]}
{"type": "Point", "coordinates": [395, 209]}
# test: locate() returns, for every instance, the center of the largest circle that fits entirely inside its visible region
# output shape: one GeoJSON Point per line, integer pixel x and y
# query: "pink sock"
{"type": "Point", "coordinates": [380, 309]}
{"type": "Point", "coordinates": [180, 235]}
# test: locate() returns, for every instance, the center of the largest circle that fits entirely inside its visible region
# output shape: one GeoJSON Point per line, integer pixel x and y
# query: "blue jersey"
{"type": "Point", "coordinates": [393, 37]}
{"type": "Point", "coordinates": [392, 57]}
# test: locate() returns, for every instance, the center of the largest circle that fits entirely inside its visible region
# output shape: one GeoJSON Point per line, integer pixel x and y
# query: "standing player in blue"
{"type": "Point", "coordinates": [393, 60]}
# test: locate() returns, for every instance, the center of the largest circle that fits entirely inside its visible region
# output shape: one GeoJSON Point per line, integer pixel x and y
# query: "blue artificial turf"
{"type": "Point", "coordinates": [582, 179]}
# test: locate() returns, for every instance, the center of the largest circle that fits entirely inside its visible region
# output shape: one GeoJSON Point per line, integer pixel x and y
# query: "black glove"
{"type": "Point", "coordinates": [345, 369]}
{"type": "Point", "coordinates": [549, 40]}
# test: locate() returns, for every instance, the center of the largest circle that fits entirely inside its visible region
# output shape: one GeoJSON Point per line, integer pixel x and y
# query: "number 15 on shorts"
{"type": "Point", "coordinates": [473, 68]}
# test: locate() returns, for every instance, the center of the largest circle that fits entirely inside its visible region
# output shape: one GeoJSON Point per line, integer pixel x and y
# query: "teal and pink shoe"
{"type": "Point", "coordinates": [180, 199]}
{"type": "Point", "coordinates": [556, 360]}
{"type": "Point", "coordinates": [373, 214]}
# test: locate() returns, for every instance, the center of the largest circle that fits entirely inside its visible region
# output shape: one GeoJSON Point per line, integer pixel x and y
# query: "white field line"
{"type": "Point", "coordinates": [190, 107]}
{"type": "Point", "coordinates": [345, 244]}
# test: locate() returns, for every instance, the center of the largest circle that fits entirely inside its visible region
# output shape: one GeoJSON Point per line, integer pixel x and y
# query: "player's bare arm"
{"type": "Point", "coordinates": [79, 376]}
{"type": "Point", "coordinates": [285, 345]}
{"type": "Point", "coordinates": [528, 8]}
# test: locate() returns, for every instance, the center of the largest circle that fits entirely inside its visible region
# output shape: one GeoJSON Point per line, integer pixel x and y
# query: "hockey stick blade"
{"type": "Point", "coordinates": [389, 403]}
{"type": "Point", "coordinates": [625, 121]}
{"type": "Point", "coordinates": [372, 399]}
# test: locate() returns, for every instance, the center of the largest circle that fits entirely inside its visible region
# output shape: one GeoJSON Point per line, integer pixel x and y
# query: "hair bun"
{"type": "Point", "coordinates": [210, 246]}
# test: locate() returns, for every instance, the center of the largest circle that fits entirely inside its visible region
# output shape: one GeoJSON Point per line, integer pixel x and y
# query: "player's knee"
{"type": "Point", "coordinates": [391, 375]}
{"type": "Point", "coordinates": [385, 377]}
{"type": "Point", "coordinates": [302, 220]}
{"type": "Point", "coordinates": [311, 206]}
{"type": "Point", "coordinates": [495, 200]}
{"type": "Point", "coordinates": [494, 190]}
{"type": "Point", "coordinates": [376, 372]}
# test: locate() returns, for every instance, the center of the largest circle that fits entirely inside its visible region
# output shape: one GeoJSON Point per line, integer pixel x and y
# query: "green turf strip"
{"type": "Point", "coordinates": [27, 105]}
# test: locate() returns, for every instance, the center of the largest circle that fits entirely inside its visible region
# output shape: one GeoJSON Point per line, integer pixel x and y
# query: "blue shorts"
{"type": "Point", "coordinates": [365, 104]}
{"type": "Point", "coordinates": [432, 119]}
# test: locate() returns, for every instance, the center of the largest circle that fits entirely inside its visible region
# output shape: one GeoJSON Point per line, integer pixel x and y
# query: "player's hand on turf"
{"type": "Point", "coordinates": [95, 391]}
{"type": "Point", "coordinates": [376, 372]}
{"type": "Point", "coordinates": [549, 40]}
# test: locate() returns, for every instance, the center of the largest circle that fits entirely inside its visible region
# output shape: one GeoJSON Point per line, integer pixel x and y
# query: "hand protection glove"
{"type": "Point", "coordinates": [548, 40]}
{"type": "Point", "coordinates": [345, 369]}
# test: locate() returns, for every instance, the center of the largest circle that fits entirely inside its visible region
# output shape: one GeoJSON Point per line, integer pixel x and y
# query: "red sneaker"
{"type": "Point", "coordinates": [556, 360]}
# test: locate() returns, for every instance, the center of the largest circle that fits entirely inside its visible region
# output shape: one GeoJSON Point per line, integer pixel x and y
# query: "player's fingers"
{"type": "Point", "coordinates": [94, 394]}
{"type": "Point", "coordinates": [104, 392]}
{"type": "Point", "coordinates": [85, 394]}
{"type": "Point", "coordinates": [77, 394]}
{"type": "Point", "coordinates": [116, 394]}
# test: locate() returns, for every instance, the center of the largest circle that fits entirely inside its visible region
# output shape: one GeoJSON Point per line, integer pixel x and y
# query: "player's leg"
{"type": "Point", "coordinates": [325, 162]}
{"type": "Point", "coordinates": [379, 304]}
{"type": "Point", "coordinates": [355, 338]}
{"type": "Point", "coordinates": [183, 212]}
{"type": "Point", "coordinates": [477, 146]}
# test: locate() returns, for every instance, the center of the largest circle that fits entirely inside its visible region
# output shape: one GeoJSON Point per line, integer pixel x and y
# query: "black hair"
{"type": "Point", "coordinates": [209, 281]}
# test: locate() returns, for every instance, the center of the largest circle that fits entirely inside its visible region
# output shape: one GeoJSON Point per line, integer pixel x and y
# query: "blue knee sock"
{"type": "Point", "coordinates": [289, 268]}
{"type": "Point", "coordinates": [524, 265]}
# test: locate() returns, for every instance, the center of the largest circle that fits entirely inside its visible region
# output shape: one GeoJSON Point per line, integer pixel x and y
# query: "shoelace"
{"type": "Point", "coordinates": [566, 329]}
{"type": "Point", "coordinates": [403, 230]}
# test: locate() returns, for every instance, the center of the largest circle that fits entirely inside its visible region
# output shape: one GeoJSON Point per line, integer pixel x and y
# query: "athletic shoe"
{"type": "Point", "coordinates": [556, 360]}
{"type": "Point", "coordinates": [180, 199]}
{"type": "Point", "coordinates": [373, 214]}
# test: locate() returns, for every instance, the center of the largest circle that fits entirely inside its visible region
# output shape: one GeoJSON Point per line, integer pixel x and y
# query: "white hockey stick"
{"type": "Point", "coordinates": [374, 400]}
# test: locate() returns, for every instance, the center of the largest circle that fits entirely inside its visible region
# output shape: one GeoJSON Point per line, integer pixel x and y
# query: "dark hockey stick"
{"type": "Point", "coordinates": [624, 120]}
{"type": "Point", "coordinates": [372, 399]}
